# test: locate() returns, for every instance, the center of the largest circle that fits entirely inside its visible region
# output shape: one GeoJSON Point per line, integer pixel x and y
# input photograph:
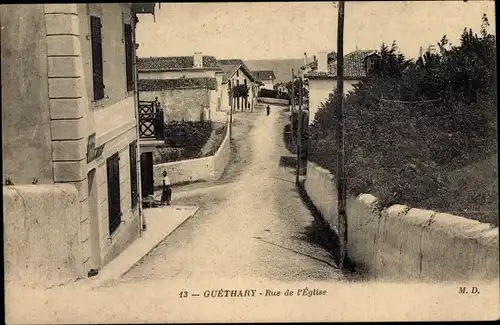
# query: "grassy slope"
{"type": "Point", "coordinates": [471, 191]}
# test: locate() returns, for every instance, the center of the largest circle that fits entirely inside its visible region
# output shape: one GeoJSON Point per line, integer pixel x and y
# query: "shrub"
{"type": "Point", "coordinates": [409, 123]}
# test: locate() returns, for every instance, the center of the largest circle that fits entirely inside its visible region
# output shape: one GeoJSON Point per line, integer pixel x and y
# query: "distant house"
{"type": "Point", "coordinates": [186, 86]}
{"type": "Point", "coordinates": [237, 73]}
{"type": "Point", "coordinates": [323, 80]}
{"type": "Point", "coordinates": [267, 77]}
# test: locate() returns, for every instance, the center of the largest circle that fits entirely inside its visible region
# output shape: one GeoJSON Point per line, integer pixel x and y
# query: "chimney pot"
{"type": "Point", "coordinates": [323, 62]}
{"type": "Point", "coordinates": [198, 59]}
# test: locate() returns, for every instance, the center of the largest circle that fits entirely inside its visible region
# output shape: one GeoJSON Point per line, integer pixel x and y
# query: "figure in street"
{"type": "Point", "coordinates": [166, 195]}
{"type": "Point", "coordinates": [268, 109]}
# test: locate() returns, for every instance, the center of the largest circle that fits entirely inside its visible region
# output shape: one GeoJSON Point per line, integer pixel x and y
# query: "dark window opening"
{"type": "Point", "coordinates": [114, 209]}
{"type": "Point", "coordinates": [134, 193]}
{"type": "Point", "coordinates": [97, 64]}
{"type": "Point", "coordinates": [128, 57]}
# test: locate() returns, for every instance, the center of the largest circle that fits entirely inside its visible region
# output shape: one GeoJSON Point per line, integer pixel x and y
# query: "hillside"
{"type": "Point", "coordinates": [282, 67]}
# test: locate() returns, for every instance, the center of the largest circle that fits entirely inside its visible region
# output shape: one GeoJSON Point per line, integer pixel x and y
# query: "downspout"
{"type": "Point", "coordinates": [142, 224]}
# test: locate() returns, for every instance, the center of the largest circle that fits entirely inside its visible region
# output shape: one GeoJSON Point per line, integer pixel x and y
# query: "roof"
{"type": "Point", "coordinates": [167, 63]}
{"type": "Point", "coordinates": [179, 83]}
{"type": "Point", "coordinates": [264, 74]}
{"type": "Point", "coordinates": [354, 67]}
{"type": "Point", "coordinates": [230, 66]}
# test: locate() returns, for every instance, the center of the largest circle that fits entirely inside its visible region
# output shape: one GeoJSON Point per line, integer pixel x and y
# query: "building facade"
{"type": "Point", "coordinates": [69, 112]}
{"type": "Point", "coordinates": [322, 80]}
{"type": "Point", "coordinates": [267, 77]}
{"type": "Point", "coordinates": [194, 72]}
{"type": "Point", "coordinates": [237, 73]}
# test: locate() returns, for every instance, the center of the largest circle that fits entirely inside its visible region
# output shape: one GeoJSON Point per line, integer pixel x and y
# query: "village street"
{"type": "Point", "coordinates": [252, 231]}
{"type": "Point", "coordinates": [256, 225]}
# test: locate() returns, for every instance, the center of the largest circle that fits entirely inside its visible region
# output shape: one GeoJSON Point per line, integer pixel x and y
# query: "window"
{"type": "Point", "coordinates": [237, 74]}
{"type": "Point", "coordinates": [237, 82]}
{"type": "Point", "coordinates": [129, 52]}
{"type": "Point", "coordinates": [133, 173]}
{"type": "Point", "coordinates": [114, 209]}
{"type": "Point", "coordinates": [97, 66]}
{"type": "Point", "coordinates": [245, 81]}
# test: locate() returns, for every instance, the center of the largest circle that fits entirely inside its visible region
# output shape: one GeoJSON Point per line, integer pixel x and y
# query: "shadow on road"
{"type": "Point", "coordinates": [320, 234]}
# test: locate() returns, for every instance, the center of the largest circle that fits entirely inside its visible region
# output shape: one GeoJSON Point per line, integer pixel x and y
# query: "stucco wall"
{"type": "Point", "coordinates": [26, 139]}
{"type": "Point", "coordinates": [111, 245]}
{"type": "Point", "coordinates": [202, 169]}
{"type": "Point", "coordinates": [180, 104]}
{"type": "Point", "coordinates": [41, 235]}
{"type": "Point", "coordinates": [320, 89]}
{"type": "Point", "coordinates": [273, 101]}
{"type": "Point", "coordinates": [403, 243]}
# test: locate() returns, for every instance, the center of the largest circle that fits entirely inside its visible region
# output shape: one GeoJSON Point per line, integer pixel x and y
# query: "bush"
{"type": "Point", "coordinates": [409, 124]}
{"type": "Point", "coordinates": [187, 133]}
{"type": "Point", "coordinates": [268, 93]}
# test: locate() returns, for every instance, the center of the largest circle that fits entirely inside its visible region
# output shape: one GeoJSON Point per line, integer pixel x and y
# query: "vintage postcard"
{"type": "Point", "coordinates": [249, 162]}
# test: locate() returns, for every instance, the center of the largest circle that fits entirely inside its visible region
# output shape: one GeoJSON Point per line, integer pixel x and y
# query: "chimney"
{"type": "Point", "coordinates": [323, 62]}
{"type": "Point", "coordinates": [198, 60]}
{"type": "Point", "coordinates": [305, 58]}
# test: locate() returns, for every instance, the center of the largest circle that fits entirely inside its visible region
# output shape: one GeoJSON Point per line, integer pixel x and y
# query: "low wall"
{"type": "Point", "coordinates": [273, 101]}
{"type": "Point", "coordinates": [41, 235]}
{"type": "Point", "coordinates": [403, 243]}
{"type": "Point", "coordinates": [192, 170]}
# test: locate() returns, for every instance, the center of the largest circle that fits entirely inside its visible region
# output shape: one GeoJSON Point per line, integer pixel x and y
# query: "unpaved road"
{"type": "Point", "coordinates": [255, 226]}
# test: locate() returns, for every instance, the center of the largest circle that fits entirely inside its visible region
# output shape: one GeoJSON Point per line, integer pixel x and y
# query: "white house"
{"type": "Point", "coordinates": [237, 73]}
{"type": "Point", "coordinates": [323, 79]}
{"type": "Point", "coordinates": [267, 77]}
{"type": "Point", "coordinates": [69, 111]}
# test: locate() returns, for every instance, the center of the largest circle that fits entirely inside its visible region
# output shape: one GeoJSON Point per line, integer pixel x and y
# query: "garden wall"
{"type": "Point", "coordinates": [192, 170]}
{"type": "Point", "coordinates": [42, 245]}
{"type": "Point", "coordinates": [403, 243]}
{"type": "Point", "coordinates": [273, 101]}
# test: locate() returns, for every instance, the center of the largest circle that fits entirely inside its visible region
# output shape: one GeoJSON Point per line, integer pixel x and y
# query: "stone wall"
{"type": "Point", "coordinates": [42, 245]}
{"type": "Point", "coordinates": [403, 243]}
{"type": "Point", "coordinates": [180, 104]}
{"type": "Point", "coordinates": [202, 169]}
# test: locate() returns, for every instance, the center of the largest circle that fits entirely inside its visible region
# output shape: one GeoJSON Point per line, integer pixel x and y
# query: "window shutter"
{"type": "Point", "coordinates": [133, 174]}
{"type": "Point", "coordinates": [128, 57]}
{"type": "Point", "coordinates": [97, 64]}
{"type": "Point", "coordinates": [114, 208]}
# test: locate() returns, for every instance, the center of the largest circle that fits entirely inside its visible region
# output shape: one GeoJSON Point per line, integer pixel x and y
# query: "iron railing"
{"type": "Point", "coordinates": [151, 120]}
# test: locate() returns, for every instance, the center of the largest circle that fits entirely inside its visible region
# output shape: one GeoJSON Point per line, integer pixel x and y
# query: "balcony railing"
{"type": "Point", "coordinates": [151, 121]}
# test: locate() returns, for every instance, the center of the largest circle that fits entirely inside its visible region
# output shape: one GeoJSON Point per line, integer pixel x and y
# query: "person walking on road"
{"type": "Point", "coordinates": [166, 195]}
{"type": "Point", "coordinates": [268, 109]}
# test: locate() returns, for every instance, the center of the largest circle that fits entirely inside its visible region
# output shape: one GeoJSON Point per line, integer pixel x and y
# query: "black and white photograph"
{"type": "Point", "coordinates": [204, 162]}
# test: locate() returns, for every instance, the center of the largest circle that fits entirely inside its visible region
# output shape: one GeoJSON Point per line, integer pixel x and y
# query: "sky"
{"type": "Point", "coordinates": [269, 30]}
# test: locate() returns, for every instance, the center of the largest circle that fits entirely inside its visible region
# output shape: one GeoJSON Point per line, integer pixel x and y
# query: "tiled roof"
{"type": "Point", "coordinates": [174, 63]}
{"type": "Point", "coordinates": [180, 83]}
{"type": "Point", "coordinates": [264, 74]}
{"type": "Point", "coordinates": [230, 66]}
{"type": "Point", "coordinates": [354, 67]}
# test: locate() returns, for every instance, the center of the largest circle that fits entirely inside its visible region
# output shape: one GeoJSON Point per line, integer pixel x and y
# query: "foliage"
{"type": "Point", "coordinates": [296, 84]}
{"type": "Point", "coordinates": [409, 123]}
{"type": "Point", "coordinates": [267, 93]}
{"type": "Point", "coordinates": [187, 133]}
{"type": "Point", "coordinates": [240, 91]}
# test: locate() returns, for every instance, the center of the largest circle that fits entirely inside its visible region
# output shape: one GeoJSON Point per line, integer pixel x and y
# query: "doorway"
{"type": "Point", "coordinates": [95, 254]}
{"type": "Point", "coordinates": [147, 180]}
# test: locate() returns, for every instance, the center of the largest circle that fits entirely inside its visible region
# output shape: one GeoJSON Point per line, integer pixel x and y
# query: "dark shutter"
{"type": "Point", "coordinates": [114, 209]}
{"type": "Point", "coordinates": [97, 64]}
{"type": "Point", "coordinates": [128, 57]}
{"type": "Point", "coordinates": [133, 174]}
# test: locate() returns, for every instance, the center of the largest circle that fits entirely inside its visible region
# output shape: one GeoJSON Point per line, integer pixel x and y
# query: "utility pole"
{"type": "Point", "coordinates": [341, 181]}
{"type": "Point", "coordinates": [299, 132]}
{"type": "Point", "coordinates": [230, 111]}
